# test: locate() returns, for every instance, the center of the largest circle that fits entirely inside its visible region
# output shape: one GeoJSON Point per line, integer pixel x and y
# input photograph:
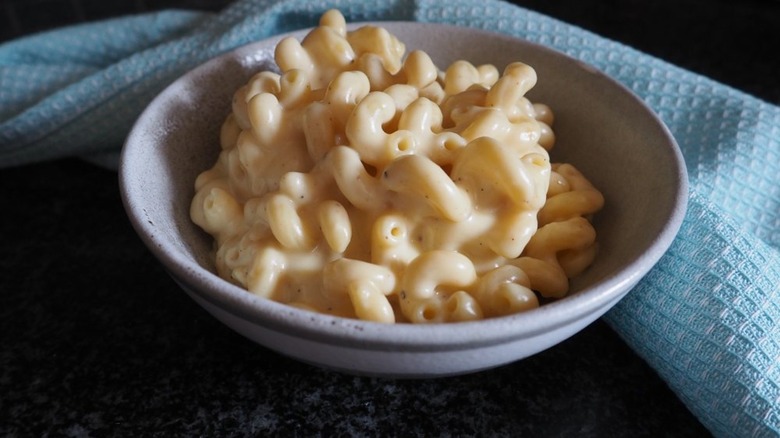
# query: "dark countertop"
{"type": "Point", "coordinates": [95, 339]}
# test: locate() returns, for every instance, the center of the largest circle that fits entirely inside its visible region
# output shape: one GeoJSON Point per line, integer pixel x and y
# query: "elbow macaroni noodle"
{"type": "Point", "coordinates": [361, 183]}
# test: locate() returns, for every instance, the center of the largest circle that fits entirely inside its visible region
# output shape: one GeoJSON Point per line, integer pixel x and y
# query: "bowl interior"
{"type": "Point", "coordinates": [601, 128]}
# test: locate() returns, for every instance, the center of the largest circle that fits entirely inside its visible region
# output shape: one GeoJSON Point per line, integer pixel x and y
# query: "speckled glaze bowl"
{"type": "Point", "coordinates": [602, 128]}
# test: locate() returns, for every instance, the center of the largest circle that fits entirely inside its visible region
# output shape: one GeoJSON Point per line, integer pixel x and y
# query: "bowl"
{"type": "Point", "coordinates": [601, 127]}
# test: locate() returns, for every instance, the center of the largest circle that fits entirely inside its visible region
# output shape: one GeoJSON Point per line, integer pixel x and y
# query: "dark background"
{"type": "Point", "coordinates": [734, 42]}
{"type": "Point", "coordinates": [96, 340]}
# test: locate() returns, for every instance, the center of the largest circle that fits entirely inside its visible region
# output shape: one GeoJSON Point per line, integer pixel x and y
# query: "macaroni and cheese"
{"type": "Point", "coordinates": [363, 182]}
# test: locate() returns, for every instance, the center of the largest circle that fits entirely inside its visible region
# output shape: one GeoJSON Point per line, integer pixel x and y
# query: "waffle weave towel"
{"type": "Point", "coordinates": [707, 317]}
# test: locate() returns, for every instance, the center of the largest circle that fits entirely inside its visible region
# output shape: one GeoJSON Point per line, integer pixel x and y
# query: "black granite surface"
{"type": "Point", "coordinates": [96, 340]}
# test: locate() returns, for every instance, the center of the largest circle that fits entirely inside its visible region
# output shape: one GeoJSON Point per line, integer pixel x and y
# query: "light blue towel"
{"type": "Point", "coordinates": [707, 317]}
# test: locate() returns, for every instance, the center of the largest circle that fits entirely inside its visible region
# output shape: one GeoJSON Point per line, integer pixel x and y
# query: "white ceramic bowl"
{"type": "Point", "coordinates": [602, 128]}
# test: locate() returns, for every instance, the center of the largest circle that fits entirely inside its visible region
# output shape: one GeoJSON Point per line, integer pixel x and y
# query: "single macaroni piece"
{"type": "Point", "coordinates": [363, 182]}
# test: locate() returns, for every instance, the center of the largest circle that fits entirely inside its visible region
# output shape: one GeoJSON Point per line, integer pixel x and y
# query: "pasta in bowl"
{"type": "Point", "coordinates": [353, 185]}
{"type": "Point", "coordinates": [362, 182]}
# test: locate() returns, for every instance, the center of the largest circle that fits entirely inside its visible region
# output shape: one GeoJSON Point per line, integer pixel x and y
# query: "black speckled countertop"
{"type": "Point", "coordinates": [96, 340]}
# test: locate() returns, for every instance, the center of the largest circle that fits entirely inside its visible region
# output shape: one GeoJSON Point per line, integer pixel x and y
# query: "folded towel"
{"type": "Point", "coordinates": [707, 317]}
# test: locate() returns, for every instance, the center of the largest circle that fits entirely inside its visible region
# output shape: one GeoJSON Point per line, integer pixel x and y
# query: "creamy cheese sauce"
{"type": "Point", "coordinates": [367, 183]}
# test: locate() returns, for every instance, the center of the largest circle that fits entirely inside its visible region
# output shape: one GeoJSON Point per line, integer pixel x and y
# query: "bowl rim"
{"type": "Point", "coordinates": [397, 337]}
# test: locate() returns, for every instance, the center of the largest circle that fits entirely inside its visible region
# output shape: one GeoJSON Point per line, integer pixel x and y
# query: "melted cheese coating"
{"type": "Point", "coordinates": [367, 183]}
